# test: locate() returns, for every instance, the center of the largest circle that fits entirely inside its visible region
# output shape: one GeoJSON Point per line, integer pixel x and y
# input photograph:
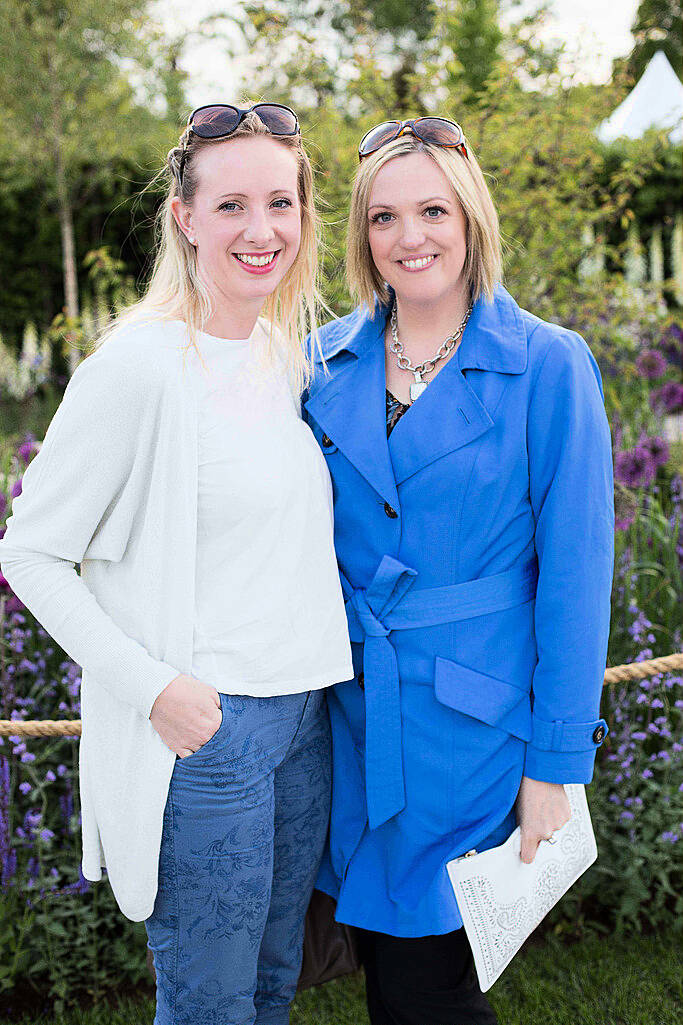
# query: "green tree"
{"type": "Point", "coordinates": [658, 26]}
{"type": "Point", "coordinates": [470, 30]}
{"type": "Point", "coordinates": [68, 104]}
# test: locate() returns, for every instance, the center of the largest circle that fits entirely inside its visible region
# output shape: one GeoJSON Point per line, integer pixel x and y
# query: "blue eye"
{"type": "Point", "coordinates": [287, 203]}
{"type": "Point", "coordinates": [230, 205]}
{"type": "Point", "coordinates": [439, 210]}
{"type": "Point", "coordinates": [377, 218]}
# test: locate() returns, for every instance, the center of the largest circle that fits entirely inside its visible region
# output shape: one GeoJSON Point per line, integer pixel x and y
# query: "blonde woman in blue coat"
{"type": "Point", "coordinates": [470, 457]}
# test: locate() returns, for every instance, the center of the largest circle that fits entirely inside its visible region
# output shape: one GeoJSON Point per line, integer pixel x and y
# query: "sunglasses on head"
{"type": "Point", "coordinates": [220, 120]}
{"type": "Point", "coordinates": [437, 130]}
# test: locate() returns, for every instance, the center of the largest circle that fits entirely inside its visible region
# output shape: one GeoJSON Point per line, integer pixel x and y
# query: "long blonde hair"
{"type": "Point", "coordinates": [176, 292]}
{"type": "Point", "coordinates": [483, 263]}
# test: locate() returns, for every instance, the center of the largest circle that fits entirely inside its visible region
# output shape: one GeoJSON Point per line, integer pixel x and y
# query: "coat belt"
{"type": "Point", "coordinates": [389, 604]}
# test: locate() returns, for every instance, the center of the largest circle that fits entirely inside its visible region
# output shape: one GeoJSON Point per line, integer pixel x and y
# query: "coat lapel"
{"type": "Point", "coordinates": [351, 408]}
{"type": "Point", "coordinates": [450, 413]}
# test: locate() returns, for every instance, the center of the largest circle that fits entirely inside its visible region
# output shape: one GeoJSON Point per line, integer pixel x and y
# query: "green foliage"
{"type": "Point", "coordinates": [470, 30]}
{"type": "Point", "coordinates": [658, 26]}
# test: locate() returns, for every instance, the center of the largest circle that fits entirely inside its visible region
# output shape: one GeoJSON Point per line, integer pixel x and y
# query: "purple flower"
{"type": "Point", "coordinates": [668, 398]}
{"type": "Point", "coordinates": [25, 788]}
{"type": "Point", "coordinates": [28, 446]}
{"type": "Point", "coordinates": [627, 815]}
{"type": "Point", "coordinates": [670, 837]}
{"type": "Point", "coordinates": [81, 886]}
{"type": "Point", "coordinates": [634, 467]}
{"type": "Point", "coordinates": [657, 448]}
{"type": "Point", "coordinates": [46, 835]}
{"type": "Point", "coordinates": [16, 489]}
{"type": "Point", "coordinates": [9, 869]}
{"type": "Point", "coordinates": [638, 734]}
{"type": "Point", "coordinates": [671, 344]}
{"type": "Point", "coordinates": [651, 364]}
{"type": "Point", "coordinates": [3, 503]}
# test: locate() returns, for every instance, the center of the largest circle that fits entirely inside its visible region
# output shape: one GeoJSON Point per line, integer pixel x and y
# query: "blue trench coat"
{"type": "Point", "coordinates": [476, 550]}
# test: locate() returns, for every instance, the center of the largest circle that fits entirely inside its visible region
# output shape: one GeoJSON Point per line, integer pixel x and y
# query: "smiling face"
{"type": "Point", "coordinates": [417, 230]}
{"type": "Point", "coordinates": [245, 218]}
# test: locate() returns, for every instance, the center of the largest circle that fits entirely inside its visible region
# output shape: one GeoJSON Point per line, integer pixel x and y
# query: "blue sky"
{"type": "Point", "coordinates": [593, 31]}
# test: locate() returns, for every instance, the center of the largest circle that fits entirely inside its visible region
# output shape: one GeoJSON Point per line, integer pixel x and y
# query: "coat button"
{"type": "Point", "coordinates": [391, 513]}
{"type": "Point", "coordinates": [326, 441]}
{"type": "Point", "coordinates": [361, 680]}
{"type": "Point", "coordinates": [598, 734]}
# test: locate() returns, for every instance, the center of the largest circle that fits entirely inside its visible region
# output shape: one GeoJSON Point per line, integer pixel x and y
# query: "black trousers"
{"type": "Point", "coordinates": [429, 980]}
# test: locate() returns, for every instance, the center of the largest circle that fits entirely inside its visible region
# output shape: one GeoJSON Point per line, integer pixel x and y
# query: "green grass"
{"type": "Point", "coordinates": [596, 982]}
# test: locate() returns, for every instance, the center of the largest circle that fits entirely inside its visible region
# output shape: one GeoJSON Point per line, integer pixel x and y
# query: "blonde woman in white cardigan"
{"type": "Point", "coordinates": [207, 616]}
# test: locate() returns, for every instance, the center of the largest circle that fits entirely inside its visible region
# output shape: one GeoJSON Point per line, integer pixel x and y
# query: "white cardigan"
{"type": "Point", "coordinates": [114, 488]}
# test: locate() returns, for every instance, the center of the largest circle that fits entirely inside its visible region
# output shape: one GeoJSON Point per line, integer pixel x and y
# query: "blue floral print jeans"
{"type": "Point", "coordinates": [243, 834]}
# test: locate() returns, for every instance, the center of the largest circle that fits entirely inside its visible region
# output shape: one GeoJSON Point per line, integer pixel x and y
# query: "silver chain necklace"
{"type": "Point", "coordinates": [418, 386]}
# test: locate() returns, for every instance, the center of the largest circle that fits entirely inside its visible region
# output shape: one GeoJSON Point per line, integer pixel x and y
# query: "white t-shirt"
{"type": "Point", "coordinates": [268, 612]}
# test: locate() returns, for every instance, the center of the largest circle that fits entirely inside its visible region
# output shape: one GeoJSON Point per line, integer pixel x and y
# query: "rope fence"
{"type": "Point", "coordinates": [72, 727]}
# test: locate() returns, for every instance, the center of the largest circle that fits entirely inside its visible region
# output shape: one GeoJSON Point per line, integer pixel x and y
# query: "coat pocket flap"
{"type": "Point", "coordinates": [483, 697]}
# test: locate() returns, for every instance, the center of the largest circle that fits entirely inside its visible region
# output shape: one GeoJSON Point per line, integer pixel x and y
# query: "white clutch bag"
{"type": "Point", "coordinates": [502, 900]}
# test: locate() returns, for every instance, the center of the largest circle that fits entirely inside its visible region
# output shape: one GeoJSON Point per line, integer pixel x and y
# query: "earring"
{"type": "Point", "coordinates": [192, 241]}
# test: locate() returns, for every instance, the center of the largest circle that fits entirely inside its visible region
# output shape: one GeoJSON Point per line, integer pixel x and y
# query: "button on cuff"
{"type": "Point", "coordinates": [568, 736]}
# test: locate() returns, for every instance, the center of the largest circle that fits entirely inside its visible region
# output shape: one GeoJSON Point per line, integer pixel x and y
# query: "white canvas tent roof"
{"type": "Point", "coordinates": [656, 101]}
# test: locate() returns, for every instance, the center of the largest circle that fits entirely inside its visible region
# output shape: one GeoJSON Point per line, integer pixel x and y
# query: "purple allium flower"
{"type": "Point", "coordinates": [651, 364]}
{"type": "Point", "coordinates": [668, 398]}
{"type": "Point", "coordinates": [25, 788]}
{"type": "Point", "coordinates": [61, 769]}
{"type": "Point", "coordinates": [50, 776]}
{"type": "Point", "coordinates": [28, 757]}
{"type": "Point", "coordinates": [657, 448]}
{"type": "Point", "coordinates": [671, 344]}
{"type": "Point", "coordinates": [634, 467]}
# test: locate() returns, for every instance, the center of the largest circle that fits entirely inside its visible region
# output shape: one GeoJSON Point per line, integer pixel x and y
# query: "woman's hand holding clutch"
{"type": "Point", "coordinates": [541, 809]}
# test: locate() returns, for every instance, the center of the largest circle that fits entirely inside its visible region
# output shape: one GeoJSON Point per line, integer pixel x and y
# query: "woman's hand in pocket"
{"type": "Point", "coordinates": [541, 808]}
{"type": "Point", "coordinates": [186, 714]}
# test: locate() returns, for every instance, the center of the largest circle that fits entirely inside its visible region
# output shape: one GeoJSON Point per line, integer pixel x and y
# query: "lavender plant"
{"type": "Point", "coordinates": [59, 934]}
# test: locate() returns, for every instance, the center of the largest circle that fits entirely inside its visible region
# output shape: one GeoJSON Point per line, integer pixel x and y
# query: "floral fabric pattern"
{"type": "Point", "coordinates": [243, 834]}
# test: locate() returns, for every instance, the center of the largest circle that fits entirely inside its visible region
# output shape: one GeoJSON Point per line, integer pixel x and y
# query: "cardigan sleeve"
{"type": "Point", "coordinates": [79, 480]}
{"type": "Point", "coordinates": [572, 496]}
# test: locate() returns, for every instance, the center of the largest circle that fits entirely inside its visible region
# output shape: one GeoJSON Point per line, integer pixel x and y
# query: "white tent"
{"type": "Point", "coordinates": [656, 101]}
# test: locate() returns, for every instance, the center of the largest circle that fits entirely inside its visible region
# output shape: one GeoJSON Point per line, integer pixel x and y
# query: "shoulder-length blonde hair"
{"type": "Point", "coordinates": [175, 290]}
{"type": "Point", "coordinates": [483, 262]}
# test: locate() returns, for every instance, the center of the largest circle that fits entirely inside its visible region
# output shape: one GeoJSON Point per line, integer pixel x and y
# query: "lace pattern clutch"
{"type": "Point", "coordinates": [502, 900]}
